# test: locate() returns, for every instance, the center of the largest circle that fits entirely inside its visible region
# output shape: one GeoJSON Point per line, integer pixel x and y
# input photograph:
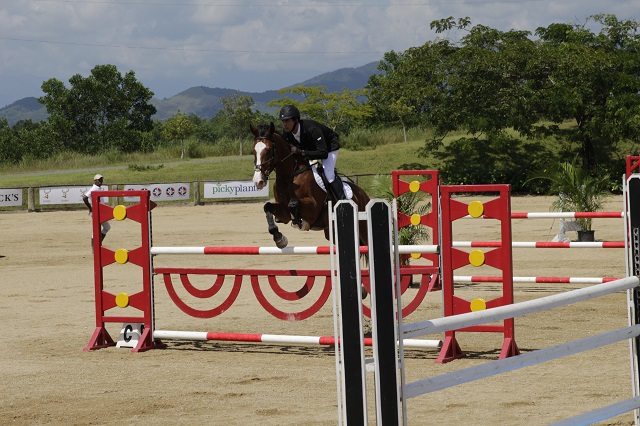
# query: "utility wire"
{"type": "Point", "coordinates": [289, 5]}
{"type": "Point", "coordinates": [185, 49]}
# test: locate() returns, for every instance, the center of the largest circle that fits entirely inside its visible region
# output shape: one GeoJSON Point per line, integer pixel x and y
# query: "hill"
{"type": "Point", "coordinates": [24, 109]}
{"type": "Point", "coordinates": [205, 101]}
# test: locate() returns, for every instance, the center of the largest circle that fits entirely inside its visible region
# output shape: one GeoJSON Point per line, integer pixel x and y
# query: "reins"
{"type": "Point", "coordinates": [274, 163]}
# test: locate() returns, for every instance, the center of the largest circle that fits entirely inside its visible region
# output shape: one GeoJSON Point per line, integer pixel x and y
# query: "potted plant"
{"type": "Point", "coordinates": [578, 191]}
{"type": "Point", "coordinates": [407, 203]}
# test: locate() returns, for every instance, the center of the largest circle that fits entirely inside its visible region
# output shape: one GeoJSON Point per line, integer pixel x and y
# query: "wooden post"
{"type": "Point", "coordinates": [196, 193]}
{"type": "Point", "coordinates": [31, 201]}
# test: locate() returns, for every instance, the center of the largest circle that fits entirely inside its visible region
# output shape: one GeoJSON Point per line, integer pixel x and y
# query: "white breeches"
{"type": "Point", "coordinates": [106, 226]}
{"type": "Point", "coordinates": [329, 165]}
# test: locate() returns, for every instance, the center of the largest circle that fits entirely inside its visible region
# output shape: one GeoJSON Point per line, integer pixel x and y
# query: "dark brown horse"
{"type": "Point", "coordinates": [298, 198]}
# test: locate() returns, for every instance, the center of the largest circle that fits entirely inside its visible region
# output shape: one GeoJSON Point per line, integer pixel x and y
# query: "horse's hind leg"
{"type": "Point", "coordinates": [280, 240]}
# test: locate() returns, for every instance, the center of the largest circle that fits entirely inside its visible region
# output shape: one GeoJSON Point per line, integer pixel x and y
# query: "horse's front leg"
{"type": "Point", "coordinates": [271, 211]}
{"type": "Point", "coordinates": [294, 211]}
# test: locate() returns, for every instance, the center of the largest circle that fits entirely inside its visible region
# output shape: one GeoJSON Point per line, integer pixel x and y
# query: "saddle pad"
{"type": "Point", "coordinates": [348, 193]}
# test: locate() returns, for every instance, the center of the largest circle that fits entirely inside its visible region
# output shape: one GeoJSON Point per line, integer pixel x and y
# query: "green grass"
{"type": "Point", "coordinates": [166, 166]}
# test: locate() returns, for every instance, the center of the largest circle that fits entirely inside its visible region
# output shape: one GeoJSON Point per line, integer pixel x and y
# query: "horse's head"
{"type": "Point", "coordinates": [264, 153]}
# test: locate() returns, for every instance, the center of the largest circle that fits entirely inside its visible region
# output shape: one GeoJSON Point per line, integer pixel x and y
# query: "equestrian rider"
{"type": "Point", "coordinates": [315, 141]}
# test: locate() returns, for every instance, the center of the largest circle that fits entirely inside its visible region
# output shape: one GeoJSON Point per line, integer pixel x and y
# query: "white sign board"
{"type": "Point", "coordinates": [234, 189]}
{"type": "Point", "coordinates": [162, 191]}
{"type": "Point", "coordinates": [67, 194]}
{"type": "Point", "coordinates": [10, 197]}
{"type": "Point", "coordinates": [130, 335]}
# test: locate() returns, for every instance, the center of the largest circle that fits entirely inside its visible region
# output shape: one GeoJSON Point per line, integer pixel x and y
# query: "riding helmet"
{"type": "Point", "coordinates": [289, 111]}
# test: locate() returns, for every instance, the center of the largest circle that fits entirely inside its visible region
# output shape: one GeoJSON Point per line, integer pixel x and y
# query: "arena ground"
{"type": "Point", "coordinates": [47, 315]}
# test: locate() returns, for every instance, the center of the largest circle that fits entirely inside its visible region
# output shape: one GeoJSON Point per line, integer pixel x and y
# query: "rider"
{"type": "Point", "coordinates": [315, 141]}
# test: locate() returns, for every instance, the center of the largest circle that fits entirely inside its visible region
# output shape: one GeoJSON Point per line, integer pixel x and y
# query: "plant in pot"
{"type": "Point", "coordinates": [408, 203]}
{"type": "Point", "coordinates": [578, 191]}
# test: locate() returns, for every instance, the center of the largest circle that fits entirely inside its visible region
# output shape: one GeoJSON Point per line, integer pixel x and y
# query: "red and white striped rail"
{"type": "Point", "coordinates": [565, 215]}
{"type": "Point", "coordinates": [542, 244]}
{"type": "Point", "coordinates": [275, 338]}
{"type": "Point", "coordinates": [404, 249]}
{"type": "Point", "coordinates": [547, 280]}
{"type": "Point", "coordinates": [239, 250]}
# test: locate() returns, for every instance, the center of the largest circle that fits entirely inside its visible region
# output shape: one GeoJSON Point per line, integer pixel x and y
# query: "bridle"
{"type": "Point", "coordinates": [272, 160]}
{"type": "Point", "coordinates": [259, 168]}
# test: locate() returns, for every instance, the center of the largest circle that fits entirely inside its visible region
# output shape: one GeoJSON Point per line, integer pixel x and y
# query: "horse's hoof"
{"type": "Point", "coordinates": [282, 242]}
{"type": "Point", "coordinates": [364, 292]}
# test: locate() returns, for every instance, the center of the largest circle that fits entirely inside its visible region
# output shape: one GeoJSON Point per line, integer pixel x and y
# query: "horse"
{"type": "Point", "coordinates": [298, 197]}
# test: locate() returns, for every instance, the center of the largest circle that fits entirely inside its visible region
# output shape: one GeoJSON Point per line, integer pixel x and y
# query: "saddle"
{"type": "Point", "coordinates": [321, 180]}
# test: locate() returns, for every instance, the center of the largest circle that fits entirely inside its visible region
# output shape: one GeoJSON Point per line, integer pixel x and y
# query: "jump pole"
{"type": "Point", "coordinates": [306, 250]}
{"type": "Point", "coordinates": [565, 215]}
{"type": "Point", "coordinates": [275, 338]}
{"type": "Point", "coordinates": [542, 244]}
{"type": "Point", "coordinates": [533, 280]}
{"type": "Point", "coordinates": [402, 249]}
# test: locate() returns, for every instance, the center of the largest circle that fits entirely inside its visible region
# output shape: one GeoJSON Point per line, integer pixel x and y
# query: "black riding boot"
{"type": "Point", "coordinates": [337, 189]}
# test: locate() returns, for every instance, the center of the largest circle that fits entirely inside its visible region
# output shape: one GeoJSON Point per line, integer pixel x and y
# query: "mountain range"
{"type": "Point", "coordinates": [205, 101]}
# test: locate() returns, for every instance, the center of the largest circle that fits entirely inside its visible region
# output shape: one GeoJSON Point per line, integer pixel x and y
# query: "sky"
{"type": "Point", "coordinates": [246, 45]}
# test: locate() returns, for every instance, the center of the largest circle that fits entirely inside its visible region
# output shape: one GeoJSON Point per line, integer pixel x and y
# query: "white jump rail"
{"type": "Point", "coordinates": [439, 325]}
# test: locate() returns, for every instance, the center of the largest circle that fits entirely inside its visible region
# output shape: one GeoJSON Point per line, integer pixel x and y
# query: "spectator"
{"type": "Point", "coordinates": [86, 197]}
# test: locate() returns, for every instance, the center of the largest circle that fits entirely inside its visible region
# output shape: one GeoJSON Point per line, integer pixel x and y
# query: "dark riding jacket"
{"type": "Point", "coordinates": [316, 139]}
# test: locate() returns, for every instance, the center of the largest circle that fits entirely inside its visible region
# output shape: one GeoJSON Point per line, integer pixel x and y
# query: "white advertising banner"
{"type": "Point", "coordinates": [67, 194]}
{"type": "Point", "coordinates": [10, 197]}
{"type": "Point", "coordinates": [234, 189]}
{"type": "Point", "coordinates": [162, 191]}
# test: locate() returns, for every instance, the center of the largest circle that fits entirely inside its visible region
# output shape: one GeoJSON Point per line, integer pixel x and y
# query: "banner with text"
{"type": "Point", "coordinates": [10, 197]}
{"type": "Point", "coordinates": [162, 191]}
{"type": "Point", "coordinates": [234, 189]}
{"type": "Point", "coordinates": [67, 194]}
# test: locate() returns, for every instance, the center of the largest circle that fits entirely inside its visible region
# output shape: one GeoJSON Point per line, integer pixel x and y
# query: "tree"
{"type": "Point", "coordinates": [103, 111]}
{"type": "Point", "coordinates": [11, 151]}
{"type": "Point", "coordinates": [494, 81]}
{"type": "Point", "coordinates": [593, 80]}
{"type": "Point", "coordinates": [401, 110]}
{"type": "Point", "coordinates": [179, 127]}
{"type": "Point", "coordinates": [338, 110]}
{"type": "Point", "coordinates": [413, 79]}
{"type": "Point", "coordinates": [484, 82]}
{"type": "Point", "coordinates": [236, 112]}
